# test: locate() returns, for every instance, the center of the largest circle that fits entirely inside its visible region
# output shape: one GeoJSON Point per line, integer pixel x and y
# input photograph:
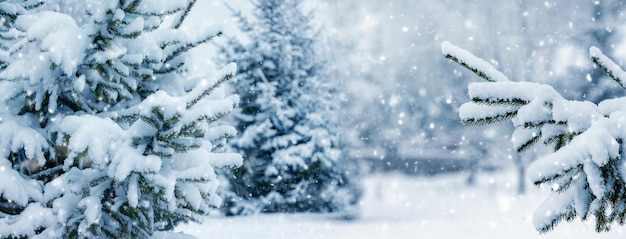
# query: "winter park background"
{"type": "Point", "coordinates": [340, 119]}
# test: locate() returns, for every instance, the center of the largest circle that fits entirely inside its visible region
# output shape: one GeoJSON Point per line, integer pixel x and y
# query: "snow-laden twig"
{"type": "Point", "coordinates": [607, 65]}
{"type": "Point", "coordinates": [479, 66]}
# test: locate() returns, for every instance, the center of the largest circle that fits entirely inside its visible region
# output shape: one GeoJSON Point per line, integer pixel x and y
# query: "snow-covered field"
{"type": "Point", "coordinates": [398, 206]}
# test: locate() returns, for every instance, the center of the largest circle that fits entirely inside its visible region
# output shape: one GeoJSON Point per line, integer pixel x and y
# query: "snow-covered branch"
{"type": "Point", "coordinates": [479, 66]}
{"type": "Point", "coordinates": [586, 171]}
{"type": "Point", "coordinates": [609, 66]}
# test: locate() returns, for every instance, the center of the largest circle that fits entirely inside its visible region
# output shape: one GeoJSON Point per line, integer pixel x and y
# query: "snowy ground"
{"type": "Point", "coordinates": [397, 206]}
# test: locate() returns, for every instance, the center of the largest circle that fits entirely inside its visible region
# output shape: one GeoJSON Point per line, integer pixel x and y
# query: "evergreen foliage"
{"type": "Point", "coordinates": [289, 137]}
{"type": "Point", "coordinates": [586, 171]}
{"type": "Point", "coordinates": [9, 12]}
{"type": "Point", "coordinates": [103, 134]}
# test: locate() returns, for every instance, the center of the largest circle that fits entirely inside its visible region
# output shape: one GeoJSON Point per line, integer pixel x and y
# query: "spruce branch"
{"type": "Point", "coordinates": [618, 215]}
{"type": "Point", "coordinates": [215, 117]}
{"type": "Point", "coordinates": [160, 13]}
{"type": "Point", "coordinates": [528, 144]}
{"type": "Point", "coordinates": [190, 45]}
{"type": "Point", "coordinates": [208, 90]}
{"type": "Point", "coordinates": [489, 120]}
{"type": "Point", "coordinates": [132, 6]}
{"type": "Point", "coordinates": [149, 28]}
{"type": "Point", "coordinates": [565, 181]}
{"type": "Point", "coordinates": [169, 68]}
{"type": "Point", "coordinates": [10, 35]}
{"type": "Point", "coordinates": [8, 207]}
{"type": "Point", "coordinates": [466, 59]}
{"type": "Point", "coordinates": [560, 140]}
{"type": "Point", "coordinates": [542, 123]}
{"type": "Point", "coordinates": [34, 4]}
{"type": "Point", "coordinates": [150, 121]}
{"type": "Point", "coordinates": [49, 172]}
{"type": "Point", "coordinates": [130, 35]}
{"type": "Point", "coordinates": [500, 101]}
{"type": "Point", "coordinates": [217, 142]}
{"type": "Point", "coordinates": [244, 25]}
{"type": "Point", "coordinates": [183, 16]}
{"type": "Point", "coordinates": [607, 65]}
{"type": "Point", "coordinates": [567, 215]}
{"type": "Point", "coordinates": [602, 222]}
{"type": "Point", "coordinates": [566, 172]}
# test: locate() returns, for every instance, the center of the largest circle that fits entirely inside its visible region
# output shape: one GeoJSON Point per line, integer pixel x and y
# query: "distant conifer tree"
{"type": "Point", "coordinates": [289, 133]}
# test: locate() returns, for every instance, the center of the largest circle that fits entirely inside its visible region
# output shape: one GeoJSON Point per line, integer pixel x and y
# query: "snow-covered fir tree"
{"type": "Point", "coordinates": [288, 133]}
{"type": "Point", "coordinates": [103, 135]}
{"type": "Point", "coordinates": [587, 170]}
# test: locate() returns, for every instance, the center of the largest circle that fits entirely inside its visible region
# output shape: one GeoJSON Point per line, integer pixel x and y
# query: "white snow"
{"type": "Point", "coordinates": [397, 206]}
{"type": "Point", "coordinates": [609, 106]}
{"type": "Point", "coordinates": [91, 205]}
{"type": "Point", "coordinates": [91, 134]}
{"type": "Point", "coordinates": [582, 199]}
{"type": "Point", "coordinates": [595, 179]}
{"type": "Point", "coordinates": [61, 39]}
{"type": "Point", "coordinates": [18, 134]}
{"type": "Point", "coordinates": [126, 160]}
{"type": "Point", "coordinates": [33, 217]}
{"type": "Point", "coordinates": [133, 191]}
{"type": "Point", "coordinates": [15, 188]}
